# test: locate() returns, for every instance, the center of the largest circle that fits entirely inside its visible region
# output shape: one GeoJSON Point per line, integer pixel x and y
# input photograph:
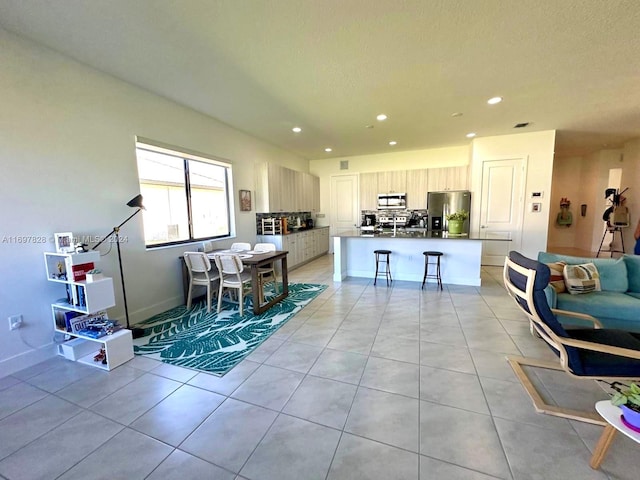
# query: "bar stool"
{"type": "Point", "coordinates": [382, 256]}
{"type": "Point", "coordinates": [436, 263]}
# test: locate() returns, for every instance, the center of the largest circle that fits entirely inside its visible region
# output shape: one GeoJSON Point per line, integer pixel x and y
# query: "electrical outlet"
{"type": "Point", "coordinates": [15, 322]}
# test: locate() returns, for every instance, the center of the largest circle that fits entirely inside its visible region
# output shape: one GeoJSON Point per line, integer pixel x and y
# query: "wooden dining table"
{"type": "Point", "coordinates": [253, 261]}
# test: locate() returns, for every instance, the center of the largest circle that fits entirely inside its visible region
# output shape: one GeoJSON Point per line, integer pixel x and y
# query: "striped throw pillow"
{"type": "Point", "coordinates": [582, 278]}
{"type": "Point", "coordinates": [557, 276]}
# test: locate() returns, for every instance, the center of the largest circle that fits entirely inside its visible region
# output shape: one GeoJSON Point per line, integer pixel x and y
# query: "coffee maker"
{"type": "Point", "coordinates": [368, 223]}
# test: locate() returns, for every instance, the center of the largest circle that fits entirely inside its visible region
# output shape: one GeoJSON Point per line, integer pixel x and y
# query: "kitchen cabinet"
{"type": "Point", "coordinates": [368, 191]}
{"type": "Point", "coordinates": [280, 189]}
{"type": "Point", "coordinates": [392, 182]}
{"type": "Point", "coordinates": [448, 178]}
{"type": "Point", "coordinates": [302, 246]}
{"type": "Point", "coordinates": [417, 188]}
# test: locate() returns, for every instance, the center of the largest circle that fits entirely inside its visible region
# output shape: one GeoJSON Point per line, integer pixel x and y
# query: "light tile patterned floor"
{"type": "Point", "coordinates": [365, 383]}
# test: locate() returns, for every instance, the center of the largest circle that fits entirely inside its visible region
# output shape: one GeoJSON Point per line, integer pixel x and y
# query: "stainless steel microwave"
{"type": "Point", "coordinates": [392, 201]}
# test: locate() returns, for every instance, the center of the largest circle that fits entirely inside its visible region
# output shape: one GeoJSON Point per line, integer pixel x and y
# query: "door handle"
{"type": "Point", "coordinates": [483, 226]}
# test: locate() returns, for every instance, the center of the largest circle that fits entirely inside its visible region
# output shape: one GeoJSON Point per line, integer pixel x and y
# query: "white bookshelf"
{"type": "Point", "coordinates": [86, 298]}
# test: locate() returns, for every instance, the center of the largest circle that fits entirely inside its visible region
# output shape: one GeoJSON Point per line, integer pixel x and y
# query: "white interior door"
{"type": "Point", "coordinates": [344, 203]}
{"type": "Point", "coordinates": [501, 208]}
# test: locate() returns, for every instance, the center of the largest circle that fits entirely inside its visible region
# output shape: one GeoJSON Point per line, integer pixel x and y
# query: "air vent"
{"type": "Point", "coordinates": [521, 125]}
{"type": "Point", "coordinates": [344, 164]}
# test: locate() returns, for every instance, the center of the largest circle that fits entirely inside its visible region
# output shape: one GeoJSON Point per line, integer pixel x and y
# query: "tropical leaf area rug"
{"type": "Point", "coordinates": [214, 342]}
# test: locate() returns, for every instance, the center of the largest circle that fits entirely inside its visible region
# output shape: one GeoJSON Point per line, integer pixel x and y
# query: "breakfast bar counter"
{"type": "Point", "coordinates": [353, 254]}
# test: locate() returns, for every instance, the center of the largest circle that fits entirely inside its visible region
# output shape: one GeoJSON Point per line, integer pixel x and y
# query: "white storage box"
{"type": "Point", "coordinates": [78, 348]}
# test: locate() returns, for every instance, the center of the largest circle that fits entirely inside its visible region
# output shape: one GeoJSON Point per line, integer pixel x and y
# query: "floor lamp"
{"type": "Point", "coordinates": [135, 202]}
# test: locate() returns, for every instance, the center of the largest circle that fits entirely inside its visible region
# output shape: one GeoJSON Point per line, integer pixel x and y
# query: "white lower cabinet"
{"type": "Point", "coordinates": [302, 246]}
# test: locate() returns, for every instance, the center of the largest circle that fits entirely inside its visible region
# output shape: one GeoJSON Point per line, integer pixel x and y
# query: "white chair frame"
{"type": "Point", "coordinates": [200, 273]}
{"type": "Point", "coordinates": [232, 278]}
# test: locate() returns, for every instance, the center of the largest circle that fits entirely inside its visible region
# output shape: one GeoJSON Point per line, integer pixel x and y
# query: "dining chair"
{"type": "Point", "coordinates": [240, 246]}
{"type": "Point", "coordinates": [591, 353]}
{"type": "Point", "coordinates": [268, 271]}
{"type": "Point", "coordinates": [200, 273]}
{"type": "Point", "coordinates": [232, 278]}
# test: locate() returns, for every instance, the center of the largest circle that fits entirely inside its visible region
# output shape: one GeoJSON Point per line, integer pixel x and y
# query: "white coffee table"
{"type": "Point", "coordinates": [611, 415]}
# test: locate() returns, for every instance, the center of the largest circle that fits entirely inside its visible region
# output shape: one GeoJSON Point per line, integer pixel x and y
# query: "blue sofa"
{"type": "Point", "coordinates": [617, 305]}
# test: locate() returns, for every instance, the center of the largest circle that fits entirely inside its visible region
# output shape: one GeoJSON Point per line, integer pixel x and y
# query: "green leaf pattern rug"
{"type": "Point", "coordinates": [216, 343]}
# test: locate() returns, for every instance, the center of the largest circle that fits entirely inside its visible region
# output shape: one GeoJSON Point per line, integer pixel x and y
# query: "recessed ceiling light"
{"type": "Point", "coordinates": [494, 100]}
{"type": "Point", "coordinates": [393, 142]}
{"type": "Point", "coordinates": [471, 135]}
{"type": "Point", "coordinates": [296, 129]}
{"type": "Point", "coordinates": [328, 149]}
{"type": "Point", "coordinates": [456, 114]}
{"type": "Point", "coordinates": [382, 117]}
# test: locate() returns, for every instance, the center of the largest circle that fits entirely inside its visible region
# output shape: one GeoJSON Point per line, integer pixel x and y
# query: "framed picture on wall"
{"type": "Point", "coordinates": [64, 242]}
{"type": "Point", "coordinates": [245, 200]}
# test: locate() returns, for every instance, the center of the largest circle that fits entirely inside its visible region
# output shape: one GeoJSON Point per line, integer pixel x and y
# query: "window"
{"type": "Point", "coordinates": [186, 196]}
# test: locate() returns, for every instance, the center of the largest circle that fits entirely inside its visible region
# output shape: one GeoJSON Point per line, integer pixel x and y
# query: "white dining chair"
{"type": "Point", "coordinates": [201, 272]}
{"type": "Point", "coordinates": [232, 278]}
{"type": "Point", "coordinates": [240, 247]}
{"type": "Point", "coordinates": [268, 271]}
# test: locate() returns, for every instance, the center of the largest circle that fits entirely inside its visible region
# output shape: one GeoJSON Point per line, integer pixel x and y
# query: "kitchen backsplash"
{"type": "Point", "coordinates": [292, 218]}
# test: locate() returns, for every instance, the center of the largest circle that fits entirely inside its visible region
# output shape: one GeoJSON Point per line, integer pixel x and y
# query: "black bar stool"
{"type": "Point", "coordinates": [382, 256]}
{"type": "Point", "coordinates": [436, 263]}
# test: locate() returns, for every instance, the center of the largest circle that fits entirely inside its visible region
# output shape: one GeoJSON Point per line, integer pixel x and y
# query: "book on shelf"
{"type": "Point", "coordinates": [78, 273]}
{"type": "Point", "coordinates": [99, 328]}
{"type": "Point", "coordinates": [60, 319]}
{"type": "Point", "coordinates": [77, 322]}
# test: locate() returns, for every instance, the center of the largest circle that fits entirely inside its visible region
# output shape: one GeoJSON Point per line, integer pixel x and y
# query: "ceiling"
{"type": "Point", "coordinates": [331, 66]}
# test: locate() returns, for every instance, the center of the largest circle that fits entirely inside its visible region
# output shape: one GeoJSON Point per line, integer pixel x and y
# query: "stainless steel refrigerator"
{"type": "Point", "coordinates": [441, 204]}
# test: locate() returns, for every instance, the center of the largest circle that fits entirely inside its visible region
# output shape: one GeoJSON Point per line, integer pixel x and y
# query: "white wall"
{"type": "Point", "coordinates": [68, 163]}
{"type": "Point", "coordinates": [630, 162]}
{"type": "Point", "coordinates": [584, 180]}
{"type": "Point", "coordinates": [537, 149]}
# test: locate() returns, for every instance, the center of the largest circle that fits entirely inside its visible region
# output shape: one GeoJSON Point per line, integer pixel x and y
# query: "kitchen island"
{"type": "Point", "coordinates": [353, 254]}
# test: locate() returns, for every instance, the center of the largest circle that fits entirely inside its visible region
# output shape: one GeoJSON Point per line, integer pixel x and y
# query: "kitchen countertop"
{"type": "Point", "coordinates": [420, 233]}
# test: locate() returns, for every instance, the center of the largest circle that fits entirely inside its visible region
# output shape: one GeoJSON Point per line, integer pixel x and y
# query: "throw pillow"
{"type": "Point", "coordinates": [557, 276]}
{"type": "Point", "coordinates": [582, 278]}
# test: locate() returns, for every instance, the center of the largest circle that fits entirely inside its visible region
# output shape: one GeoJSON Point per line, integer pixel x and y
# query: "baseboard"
{"type": "Point", "coordinates": [27, 359]}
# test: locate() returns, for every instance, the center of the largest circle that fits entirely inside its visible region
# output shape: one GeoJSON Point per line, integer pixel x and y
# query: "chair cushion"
{"type": "Point", "coordinates": [601, 305]}
{"type": "Point", "coordinates": [604, 364]}
{"type": "Point", "coordinates": [612, 271]}
{"type": "Point", "coordinates": [633, 272]}
{"type": "Point", "coordinates": [583, 278]}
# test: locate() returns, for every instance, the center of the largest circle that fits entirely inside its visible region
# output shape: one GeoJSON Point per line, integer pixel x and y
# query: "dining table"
{"type": "Point", "coordinates": [254, 260]}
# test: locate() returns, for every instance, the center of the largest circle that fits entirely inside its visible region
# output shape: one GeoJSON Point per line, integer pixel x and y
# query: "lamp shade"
{"type": "Point", "coordinates": [136, 202]}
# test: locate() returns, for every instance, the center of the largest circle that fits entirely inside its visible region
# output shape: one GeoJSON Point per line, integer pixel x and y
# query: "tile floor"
{"type": "Point", "coordinates": [365, 383]}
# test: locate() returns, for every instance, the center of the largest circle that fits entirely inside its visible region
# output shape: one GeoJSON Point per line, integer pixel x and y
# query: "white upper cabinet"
{"type": "Point", "coordinates": [280, 189]}
{"type": "Point", "coordinates": [392, 182]}
{"type": "Point", "coordinates": [368, 191]}
{"type": "Point", "coordinates": [448, 178]}
{"type": "Point", "coordinates": [417, 188]}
